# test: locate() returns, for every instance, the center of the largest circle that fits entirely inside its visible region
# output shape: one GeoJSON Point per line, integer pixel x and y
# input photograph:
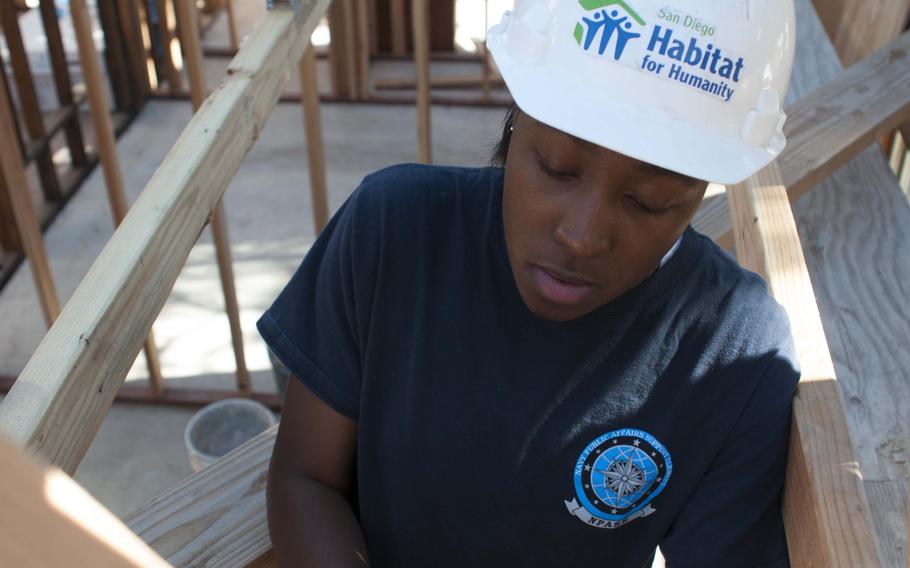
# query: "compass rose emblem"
{"type": "Point", "coordinates": [617, 476]}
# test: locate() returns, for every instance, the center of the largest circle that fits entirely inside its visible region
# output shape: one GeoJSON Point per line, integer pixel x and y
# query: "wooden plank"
{"type": "Point", "coordinates": [420, 24]}
{"type": "Point", "coordinates": [865, 26]}
{"type": "Point", "coordinates": [833, 124]}
{"type": "Point", "coordinates": [855, 229]}
{"type": "Point", "coordinates": [62, 395]}
{"type": "Point", "coordinates": [216, 517]}
{"type": "Point", "coordinates": [24, 212]}
{"type": "Point", "coordinates": [107, 147]}
{"type": "Point", "coordinates": [194, 64]}
{"type": "Point", "coordinates": [889, 498]}
{"type": "Point", "coordinates": [64, 87]}
{"type": "Point", "coordinates": [826, 511]}
{"type": "Point", "coordinates": [312, 124]}
{"type": "Point", "coordinates": [47, 519]}
{"type": "Point", "coordinates": [28, 98]}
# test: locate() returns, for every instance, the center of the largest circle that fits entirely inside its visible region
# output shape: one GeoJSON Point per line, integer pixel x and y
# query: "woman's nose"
{"type": "Point", "coordinates": [584, 229]}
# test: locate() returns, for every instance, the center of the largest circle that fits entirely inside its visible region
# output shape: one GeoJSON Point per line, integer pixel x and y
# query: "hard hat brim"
{"type": "Point", "coordinates": [554, 97]}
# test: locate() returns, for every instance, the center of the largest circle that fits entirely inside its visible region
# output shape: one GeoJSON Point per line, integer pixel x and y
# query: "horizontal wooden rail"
{"type": "Point", "coordinates": [825, 506]}
{"type": "Point", "coordinates": [61, 397]}
{"type": "Point", "coordinates": [832, 125]}
{"type": "Point", "coordinates": [216, 517]}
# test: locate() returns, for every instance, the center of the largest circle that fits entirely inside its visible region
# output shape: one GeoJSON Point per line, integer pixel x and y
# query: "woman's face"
{"type": "Point", "coordinates": [584, 224]}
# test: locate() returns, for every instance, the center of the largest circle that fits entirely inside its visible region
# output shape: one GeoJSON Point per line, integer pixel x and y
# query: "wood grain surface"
{"type": "Point", "coordinates": [855, 230]}
{"type": "Point", "coordinates": [830, 125]}
{"type": "Point", "coordinates": [826, 511]}
{"type": "Point", "coordinates": [216, 517]}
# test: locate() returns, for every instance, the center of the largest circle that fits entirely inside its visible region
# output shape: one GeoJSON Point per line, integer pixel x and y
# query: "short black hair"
{"type": "Point", "coordinates": [501, 149]}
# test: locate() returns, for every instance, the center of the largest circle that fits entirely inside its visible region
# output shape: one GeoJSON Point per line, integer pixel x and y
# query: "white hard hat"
{"type": "Point", "coordinates": [693, 86]}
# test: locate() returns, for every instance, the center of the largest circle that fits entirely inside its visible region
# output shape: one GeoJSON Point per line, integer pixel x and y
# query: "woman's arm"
{"type": "Point", "coordinates": [310, 485]}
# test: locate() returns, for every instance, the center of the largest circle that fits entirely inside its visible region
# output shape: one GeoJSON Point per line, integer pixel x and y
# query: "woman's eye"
{"type": "Point", "coordinates": [555, 174]}
{"type": "Point", "coordinates": [641, 206]}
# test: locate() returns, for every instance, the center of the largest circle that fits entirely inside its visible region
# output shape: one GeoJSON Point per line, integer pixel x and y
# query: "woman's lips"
{"type": "Point", "coordinates": [558, 290]}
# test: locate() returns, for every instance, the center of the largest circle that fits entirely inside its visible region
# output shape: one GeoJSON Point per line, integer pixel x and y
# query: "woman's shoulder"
{"type": "Point", "coordinates": [418, 183]}
{"type": "Point", "coordinates": [738, 299]}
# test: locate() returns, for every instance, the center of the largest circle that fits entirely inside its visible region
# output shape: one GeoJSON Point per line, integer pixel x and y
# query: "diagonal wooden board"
{"type": "Point", "coordinates": [855, 232]}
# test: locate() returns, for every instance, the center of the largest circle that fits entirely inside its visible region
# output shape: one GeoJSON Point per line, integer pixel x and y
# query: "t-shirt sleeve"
{"type": "Point", "coordinates": [318, 324]}
{"type": "Point", "coordinates": [733, 517]}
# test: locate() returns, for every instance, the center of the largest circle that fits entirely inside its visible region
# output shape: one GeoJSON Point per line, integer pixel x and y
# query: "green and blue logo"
{"type": "Point", "coordinates": [608, 19]}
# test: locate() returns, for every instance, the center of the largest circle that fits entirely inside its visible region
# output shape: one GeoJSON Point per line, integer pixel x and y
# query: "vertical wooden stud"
{"type": "Point", "coordinates": [72, 130]}
{"type": "Point", "coordinates": [372, 19]}
{"type": "Point", "coordinates": [132, 39]}
{"type": "Point", "coordinates": [188, 23]}
{"type": "Point", "coordinates": [420, 24]}
{"type": "Point", "coordinates": [28, 99]}
{"type": "Point", "coordinates": [145, 34]}
{"type": "Point", "coordinates": [363, 47]}
{"type": "Point", "coordinates": [115, 57]}
{"type": "Point", "coordinates": [107, 148]}
{"type": "Point", "coordinates": [173, 59]}
{"type": "Point", "coordinates": [312, 122]}
{"type": "Point", "coordinates": [232, 24]}
{"type": "Point", "coordinates": [398, 27]}
{"type": "Point", "coordinates": [485, 78]}
{"type": "Point", "coordinates": [9, 238]}
{"type": "Point", "coordinates": [24, 212]}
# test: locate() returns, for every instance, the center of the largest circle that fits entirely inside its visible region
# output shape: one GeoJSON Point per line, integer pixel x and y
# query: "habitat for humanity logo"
{"type": "Point", "coordinates": [610, 18]}
{"type": "Point", "coordinates": [681, 47]}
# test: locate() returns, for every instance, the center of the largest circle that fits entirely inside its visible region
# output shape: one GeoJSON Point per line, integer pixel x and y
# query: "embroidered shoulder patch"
{"type": "Point", "coordinates": [617, 476]}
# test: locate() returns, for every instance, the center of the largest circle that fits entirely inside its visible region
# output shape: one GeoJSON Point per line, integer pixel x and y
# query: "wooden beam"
{"type": "Point", "coordinates": [28, 98]}
{"type": "Point", "coordinates": [64, 87]}
{"type": "Point", "coordinates": [832, 125]}
{"type": "Point", "coordinates": [826, 511]}
{"type": "Point", "coordinates": [24, 211]}
{"type": "Point", "coordinates": [60, 399]}
{"type": "Point", "coordinates": [421, 26]}
{"type": "Point", "coordinates": [194, 64]}
{"type": "Point", "coordinates": [312, 124]}
{"type": "Point", "coordinates": [865, 26]}
{"type": "Point", "coordinates": [47, 519]}
{"type": "Point", "coordinates": [107, 148]}
{"type": "Point", "coordinates": [216, 517]}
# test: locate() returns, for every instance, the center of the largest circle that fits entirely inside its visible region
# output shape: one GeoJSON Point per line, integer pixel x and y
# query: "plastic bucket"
{"type": "Point", "coordinates": [222, 426]}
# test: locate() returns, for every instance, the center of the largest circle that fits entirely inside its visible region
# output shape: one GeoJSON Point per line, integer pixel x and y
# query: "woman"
{"type": "Point", "coordinates": [540, 363]}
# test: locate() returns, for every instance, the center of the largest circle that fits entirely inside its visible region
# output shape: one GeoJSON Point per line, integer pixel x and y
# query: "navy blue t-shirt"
{"type": "Point", "coordinates": [488, 436]}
